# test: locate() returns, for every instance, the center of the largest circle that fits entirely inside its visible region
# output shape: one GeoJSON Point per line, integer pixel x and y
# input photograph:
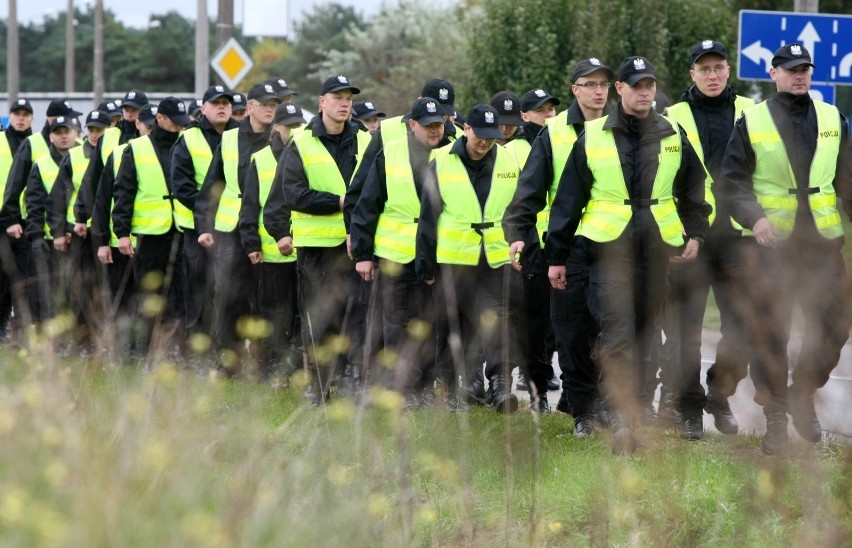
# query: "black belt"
{"type": "Point", "coordinates": [479, 227]}
{"type": "Point", "coordinates": [168, 197]}
{"type": "Point", "coordinates": [641, 202]}
{"type": "Point", "coordinates": [416, 220]}
{"type": "Point", "coordinates": [804, 191]}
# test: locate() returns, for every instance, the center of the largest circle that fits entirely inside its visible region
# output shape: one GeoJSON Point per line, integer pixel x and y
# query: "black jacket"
{"type": "Point", "coordinates": [89, 187]}
{"type": "Point", "coordinates": [795, 118]}
{"type": "Point", "coordinates": [102, 211]}
{"type": "Point", "coordinates": [638, 145]}
{"type": "Point", "coordinates": [207, 201]}
{"type": "Point", "coordinates": [63, 189]}
{"type": "Point", "coordinates": [22, 164]}
{"type": "Point", "coordinates": [36, 198]}
{"type": "Point", "coordinates": [16, 137]}
{"type": "Point", "coordinates": [250, 207]}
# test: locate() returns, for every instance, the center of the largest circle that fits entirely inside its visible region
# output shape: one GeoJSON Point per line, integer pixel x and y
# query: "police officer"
{"type": "Point", "coordinates": [282, 89]}
{"type": "Point", "coordinates": [143, 207]}
{"type": "Point", "coordinates": [638, 187]}
{"type": "Point", "coordinates": [274, 265]}
{"type": "Point", "coordinates": [787, 162]}
{"type": "Point", "coordinates": [238, 108]}
{"type": "Point", "coordinates": [315, 171]}
{"type": "Point", "coordinates": [525, 226]}
{"type": "Point", "coordinates": [706, 113]}
{"type": "Point", "coordinates": [367, 113]}
{"type": "Point", "coordinates": [384, 228]}
{"type": "Point", "coordinates": [191, 157]}
{"type": "Point", "coordinates": [216, 213]}
{"type": "Point", "coordinates": [459, 238]}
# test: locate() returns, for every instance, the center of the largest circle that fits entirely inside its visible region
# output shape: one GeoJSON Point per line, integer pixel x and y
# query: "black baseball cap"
{"type": "Point", "coordinates": [337, 83]}
{"type": "Point", "coordinates": [280, 86]}
{"type": "Point", "coordinates": [508, 107]}
{"type": "Point", "coordinates": [635, 68]}
{"type": "Point", "coordinates": [707, 46]}
{"type": "Point", "coordinates": [443, 91]}
{"type": "Point", "coordinates": [484, 121]}
{"type": "Point", "coordinates": [364, 110]}
{"type": "Point", "coordinates": [21, 104]}
{"type": "Point", "coordinates": [148, 114]}
{"type": "Point", "coordinates": [288, 114]}
{"type": "Point", "coordinates": [792, 55]}
{"type": "Point", "coordinates": [589, 66]}
{"type": "Point", "coordinates": [427, 110]}
{"type": "Point", "coordinates": [113, 108]}
{"type": "Point", "coordinates": [535, 98]}
{"type": "Point", "coordinates": [214, 92]}
{"type": "Point", "coordinates": [195, 107]}
{"type": "Point", "coordinates": [262, 93]}
{"type": "Point", "coordinates": [97, 118]}
{"type": "Point", "coordinates": [63, 121]}
{"type": "Point", "coordinates": [239, 102]}
{"type": "Point", "coordinates": [174, 109]}
{"type": "Point", "coordinates": [135, 99]}
{"type": "Point", "coordinates": [61, 107]}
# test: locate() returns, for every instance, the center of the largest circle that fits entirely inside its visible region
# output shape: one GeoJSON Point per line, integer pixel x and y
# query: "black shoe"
{"type": "Point", "coordinates": [647, 414]}
{"type": "Point", "coordinates": [600, 414]}
{"type": "Point", "coordinates": [723, 418]}
{"type": "Point", "coordinates": [668, 415]}
{"type": "Point", "coordinates": [775, 442]}
{"type": "Point", "coordinates": [624, 441]}
{"type": "Point", "coordinates": [500, 395]}
{"type": "Point", "coordinates": [564, 405]}
{"type": "Point", "coordinates": [693, 426]}
{"type": "Point", "coordinates": [410, 399]}
{"type": "Point", "coordinates": [804, 415]}
{"type": "Point", "coordinates": [522, 385]}
{"type": "Point", "coordinates": [455, 404]}
{"type": "Point", "coordinates": [543, 406]}
{"type": "Point", "coordinates": [427, 397]}
{"type": "Point", "coordinates": [584, 426]}
{"type": "Point", "coordinates": [475, 393]}
{"type": "Point", "coordinates": [553, 384]}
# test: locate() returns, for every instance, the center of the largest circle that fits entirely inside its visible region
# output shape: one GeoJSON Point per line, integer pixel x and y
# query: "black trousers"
{"type": "Point", "coordinates": [12, 281]}
{"type": "Point", "coordinates": [628, 278]}
{"type": "Point", "coordinates": [807, 270]}
{"type": "Point", "coordinates": [534, 328]}
{"type": "Point", "coordinates": [277, 304]}
{"type": "Point", "coordinates": [156, 273]}
{"type": "Point", "coordinates": [44, 288]}
{"type": "Point", "coordinates": [121, 305]}
{"type": "Point", "coordinates": [234, 294]}
{"type": "Point", "coordinates": [198, 283]}
{"type": "Point", "coordinates": [84, 286]}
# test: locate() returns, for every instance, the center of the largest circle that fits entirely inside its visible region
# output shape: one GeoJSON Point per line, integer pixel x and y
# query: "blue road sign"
{"type": "Point", "coordinates": [824, 92]}
{"type": "Point", "coordinates": [828, 37]}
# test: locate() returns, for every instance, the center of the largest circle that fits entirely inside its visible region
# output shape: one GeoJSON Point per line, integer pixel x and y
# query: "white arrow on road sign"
{"type": "Point", "coordinates": [756, 53]}
{"type": "Point", "coordinates": [809, 37]}
{"type": "Point", "coordinates": [845, 67]}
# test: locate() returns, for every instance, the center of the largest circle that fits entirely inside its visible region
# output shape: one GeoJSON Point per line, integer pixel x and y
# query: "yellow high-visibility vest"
{"type": "Point", "coordinates": [228, 213]}
{"type": "Point", "coordinates": [199, 151]}
{"type": "Point", "coordinates": [265, 163]}
{"type": "Point", "coordinates": [396, 231]}
{"type": "Point", "coordinates": [79, 164]}
{"type": "Point", "coordinates": [152, 208]}
{"type": "Point", "coordinates": [562, 139]}
{"type": "Point", "coordinates": [49, 171]}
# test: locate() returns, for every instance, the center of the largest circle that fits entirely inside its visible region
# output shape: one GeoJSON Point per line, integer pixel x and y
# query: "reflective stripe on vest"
{"type": "Point", "coordinates": [5, 161]}
{"type": "Point", "coordinates": [463, 227]}
{"type": "Point", "coordinates": [682, 114]}
{"type": "Point", "coordinates": [265, 163]}
{"type": "Point", "coordinates": [609, 210]}
{"type": "Point", "coordinates": [109, 140]}
{"type": "Point", "coordinates": [396, 231]}
{"type": "Point", "coordinates": [199, 151]}
{"type": "Point", "coordinates": [118, 150]}
{"type": "Point", "coordinates": [773, 178]}
{"type": "Point", "coordinates": [48, 169]}
{"type": "Point", "coordinates": [152, 208]}
{"type": "Point", "coordinates": [228, 213]}
{"type": "Point", "coordinates": [79, 164]}
{"type": "Point", "coordinates": [323, 175]}
{"type": "Point", "coordinates": [562, 139]}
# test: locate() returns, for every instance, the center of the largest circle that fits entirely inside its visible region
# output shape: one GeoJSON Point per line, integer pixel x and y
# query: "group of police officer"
{"type": "Point", "coordinates": [434, 253]}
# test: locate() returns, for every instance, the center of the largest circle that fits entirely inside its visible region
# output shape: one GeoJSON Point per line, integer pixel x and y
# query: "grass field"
{"type": "Point", "coordinates": [98, 456]}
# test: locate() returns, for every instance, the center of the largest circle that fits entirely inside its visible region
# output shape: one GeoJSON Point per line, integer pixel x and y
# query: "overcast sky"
{"type": "Point", "coordinates": [137, 13]}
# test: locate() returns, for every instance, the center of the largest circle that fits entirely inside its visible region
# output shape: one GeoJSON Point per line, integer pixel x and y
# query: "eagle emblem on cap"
{"type": "Point", "coordinates": [443, 94]}
{"type": "Point", "coordinates": [181, 108]}
{"type": "Point", "coordinates": [67, 104]}
{"type": "Point", "coordinates": [238, 99]}
{"type": "Point", "coordinates": [508, 104]}
{"type": "Point", "coordinates": [595, 61]}
{"type": "Point", "coordinates": [154, 110]}
{"type": "Point", "coordinates": [60, 119]}
{"type": "Point", "coordinates": [796, 49]}
{"type": "Point", "coordinates": [342, 80]}
{"type": "Point", "coordinates": [268, 88]}
{"type": "Point", "coordinates": [707, 44]}
{"type": "Point", "coordinates": [118, 102]}
{"type": "Point", "coordinates": [639, 64]}
{"type": "Point", "coordinates": [219, 89]}
{"type": "Point", "coordinates": [22, 101]}
{"type": "Point", "coordinates": [131, 95]}
{"type": "Point", "coordinates": [291, 109]}
{"type": "Point", "coordinates": [282, 83]}
{"type": "Point", "coordinates": [95, 115]}
{"type": "Point", "coordinates": [431, 107]}
{"type": "Point", "coordinates": [111, 106]}
{"type": "Point", "coordinates": [489, 117]}
{"type": "Point", "coordinates": [540, 93]}
{"type": "Point", "coordinates": [369, 105]}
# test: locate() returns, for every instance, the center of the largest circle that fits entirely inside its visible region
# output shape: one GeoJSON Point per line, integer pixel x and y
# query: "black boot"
{"type": "Point", "coordinates": [500, 395]}
{"type": "Point", "coordinates": [775, 442]}
{"type": "Point", "coordinates": [668, 415]}
{"type": "Point", "coordinates": [723, 418]}
{"type": "Point", "coordinates": [541, 401]}
{"type": "Point", "coordinates": [624, 440]}
{"type": "Point", "coordinates": [474, 392]}
{"type": "Point", "coordinates": [693, 426]}
{"type": "Point", "coordinates": [804, 415]}
{"type": "Point", "coordinates": [522, 385]}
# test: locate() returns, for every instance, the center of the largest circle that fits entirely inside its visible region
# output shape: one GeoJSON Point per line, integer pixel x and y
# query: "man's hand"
{"type": "Point", "coordinates": [105, 254]}
{"type": "Point", "coordinates": [81, 230]}
{"type": "Point", "coordinates": [690, 252]}
{"type": "Point", "coordinates": [125, 246]}
{"type": "Point", "coordinates": [349, 247]}
{"type": "Point", "coordinates": [205, 240]}
{"type": "Point", "coordinates": [558, 276]}
{"type": "Point", "coordinates": [61, 244]}
{"type": "Point", "coordinates": [15, 231]}
{"type": "Point", "coordinates": [515, 251]}
{"type": "Point", "coordinates": [342, 199]}
{"type": "Point", "coordinates": [285, 245]}
{"type": "Point", "coordinates": [255, 257]}
{"type": "Point", "coordinates": [365, 270]}
{"type": "Point", "coordinates": [765, 233]}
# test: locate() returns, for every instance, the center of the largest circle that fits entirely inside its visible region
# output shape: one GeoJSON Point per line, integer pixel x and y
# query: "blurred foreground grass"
{"type": "Point", "coordinates": [91, 456]}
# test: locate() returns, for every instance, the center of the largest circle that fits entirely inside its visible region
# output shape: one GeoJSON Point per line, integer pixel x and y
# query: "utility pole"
{"type": "Point", "coordinates": [806, 6]}
{"type": "Point", "coordinates": [225, 24]}
{"type": "Point", "coordinates": [12, 57]}
{"type": "Point", "coordinates": [98, 63]}
{"type": "Point", "coordinates": [69, 47]}
{"type": "Point", "coordinates": [202, 53]}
